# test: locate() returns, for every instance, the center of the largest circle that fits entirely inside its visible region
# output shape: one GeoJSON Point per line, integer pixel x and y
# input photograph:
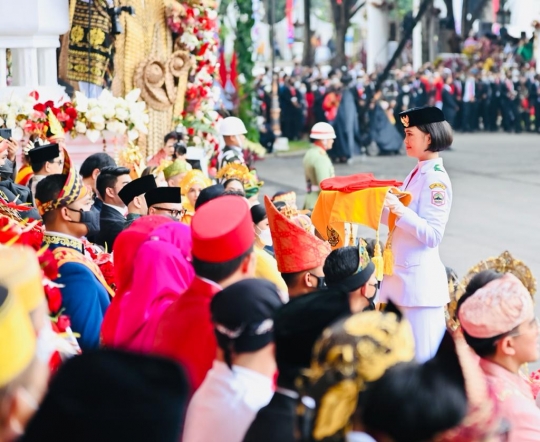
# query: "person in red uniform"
{"type": "Point", "coordinates": [223, 238]}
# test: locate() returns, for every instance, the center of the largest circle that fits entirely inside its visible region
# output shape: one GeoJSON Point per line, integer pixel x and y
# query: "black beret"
{"type": "Point", "coordinates": [418, 116]}
{"type": "Point", "coordinates": [356, 280]}
{"type": "Point", "coordinates": [243, 315]}
{"type": "Point", "coordinates": [47, 152]}
{"type": "Point", "coordinates": [299, 323]}
{"type": "Point", "coordinates": [163, 195]}
{"type": "Point", "coordinates": [137, 187]}
{"type": "Point", "coordinates": [110, 396]}
{"type": "Point", "coordinates": [208, 194]}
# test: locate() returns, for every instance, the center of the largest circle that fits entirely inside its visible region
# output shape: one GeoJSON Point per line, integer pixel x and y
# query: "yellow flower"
{"type": "Point", "coordinates": [77, 34]}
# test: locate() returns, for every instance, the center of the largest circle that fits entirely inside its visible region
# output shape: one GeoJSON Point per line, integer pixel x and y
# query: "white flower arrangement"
{"type": "Point", "coordinates": [121, 116]}
{"type": "Point", "coordinates": [118, 115]}
{"type": "Point", "coordinates": [15, 113]}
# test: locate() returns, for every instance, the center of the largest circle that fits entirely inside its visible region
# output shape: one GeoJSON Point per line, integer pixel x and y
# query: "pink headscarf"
{"type": "Point", "coordinates": [162, 272]}
{"type": "Point", "coordinates": [125, 250]}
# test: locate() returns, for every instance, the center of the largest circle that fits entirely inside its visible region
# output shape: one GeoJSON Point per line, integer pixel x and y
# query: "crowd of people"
{"type": "Point", "coordinates": [171, 307]}
{"type": "Point", "coordinates": [491, 86]}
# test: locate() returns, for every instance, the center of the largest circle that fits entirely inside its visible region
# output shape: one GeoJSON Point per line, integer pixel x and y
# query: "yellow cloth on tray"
{"type": "Point", "coordinates": [333, 209]}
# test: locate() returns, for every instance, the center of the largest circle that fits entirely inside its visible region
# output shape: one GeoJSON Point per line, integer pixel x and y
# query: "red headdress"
{"type": "Point", "coordinates": [296, 249]}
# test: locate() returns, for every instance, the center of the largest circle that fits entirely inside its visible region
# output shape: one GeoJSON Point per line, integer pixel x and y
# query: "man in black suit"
{"type": "Point", "coordinates": [112, 217]}
{"type": "Point", "coordinates": [89, 171]}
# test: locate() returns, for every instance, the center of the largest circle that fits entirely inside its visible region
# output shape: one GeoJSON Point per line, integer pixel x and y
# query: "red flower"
{"type": "Point", "coordinates": [34, 95]}
{"type": "Point", "coordinates": [33, 238]}
{"type": "Point", "coordinates": [191, 131]}
{"type": "Point", "coordinates": [107, 268]}
{"type": "Point", "coordinates": [54, 299]}
{"type": "Point", "coordinates": [49, 265]}
{"type": "Point", "coordinates": [62, 323]}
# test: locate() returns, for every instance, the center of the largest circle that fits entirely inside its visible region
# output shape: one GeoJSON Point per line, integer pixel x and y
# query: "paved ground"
{"type": "Point", "coordinates": [496, 183]}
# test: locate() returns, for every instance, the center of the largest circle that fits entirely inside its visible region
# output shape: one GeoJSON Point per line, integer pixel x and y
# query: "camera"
{"type": "Point", "coordinates": [5, 133]}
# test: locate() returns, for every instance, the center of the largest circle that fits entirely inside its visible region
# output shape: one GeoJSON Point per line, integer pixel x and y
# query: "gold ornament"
{"type": "Point", "coordinates": [236, 171]}
{"type": "Point", "coordinates": [504, 263]}
{"type": "Point", "coordinates": [333, 236]}
{"type": "Point", "coordinates": [405, 120]}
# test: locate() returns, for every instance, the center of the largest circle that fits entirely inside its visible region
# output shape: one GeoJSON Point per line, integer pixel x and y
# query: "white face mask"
{"type": "Point", "coordinates": [239, 142]}
{"type": "Point", "coordinates": [265, 236]}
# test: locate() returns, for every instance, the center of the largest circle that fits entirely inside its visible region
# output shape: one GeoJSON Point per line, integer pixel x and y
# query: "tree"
{"type": "Point", "coordinates": [342, 12]}
{"type": "Point", "coordinates": [307, 56]}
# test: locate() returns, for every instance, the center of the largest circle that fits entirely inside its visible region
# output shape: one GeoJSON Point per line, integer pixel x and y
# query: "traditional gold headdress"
{"type": "Point", "coordinates": [194, 176]}
{"type": "Point", "coordinates": [504, 263]}
{"type": "Point", "coordinates": [234, 170]}
{"type": "Point", "coordinates": [299, 219]}
{"type": "Point", "coordinates": [349, 354]}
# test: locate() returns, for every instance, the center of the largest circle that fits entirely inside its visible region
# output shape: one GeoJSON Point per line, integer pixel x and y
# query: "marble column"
{"type": "Point", "coordinates": [3, 67]}
{"type": "Point", "coordinates": [47, 70]}
{"type": "Point", "coordinates": [25, 67]}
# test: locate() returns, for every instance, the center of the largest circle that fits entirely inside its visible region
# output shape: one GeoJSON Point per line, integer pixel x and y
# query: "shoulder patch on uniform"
{"type": "Point", "coordinates": [438, 197]}
{"type": "Point", "coordinates": [438, 168]}
{"type": "Point", "coordinates": [435, 185]}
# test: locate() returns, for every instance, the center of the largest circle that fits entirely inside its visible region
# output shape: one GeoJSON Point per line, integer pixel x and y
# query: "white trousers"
{"type": "Point", "coordinates": [428, 326]}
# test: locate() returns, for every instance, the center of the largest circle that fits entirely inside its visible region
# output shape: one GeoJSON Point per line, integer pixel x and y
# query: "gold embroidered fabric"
{"type": "Point", "coordinates": [354, 351]}
{"type": "Point", "coordinates": [90, 43]}
{"type": "Point", "coordinates": [56, 240]}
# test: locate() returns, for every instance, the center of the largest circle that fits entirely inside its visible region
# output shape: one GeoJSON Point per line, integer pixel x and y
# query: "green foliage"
{"type": "Point", "coordinates": [404, 6]}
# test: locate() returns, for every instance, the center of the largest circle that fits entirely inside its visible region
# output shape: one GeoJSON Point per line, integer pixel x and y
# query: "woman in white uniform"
{"type": "Point", "coordinates": [418, 284]}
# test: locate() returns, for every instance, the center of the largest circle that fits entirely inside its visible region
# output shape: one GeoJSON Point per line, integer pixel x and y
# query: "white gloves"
{"type": "Point", "coordinates": [393, 203]}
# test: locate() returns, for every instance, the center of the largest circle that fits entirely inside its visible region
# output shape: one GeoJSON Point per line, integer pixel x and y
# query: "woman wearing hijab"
{"type": "Point", "coordinates": [266, 267]}
{"type": "Point", "coordinates": [126, 247]}
{"type": "Point", "coordinates": [161, 273]}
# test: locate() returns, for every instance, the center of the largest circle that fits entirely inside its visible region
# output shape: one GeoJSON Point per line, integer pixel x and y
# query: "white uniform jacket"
{"type": "Point", "coordinates": [419, 278]}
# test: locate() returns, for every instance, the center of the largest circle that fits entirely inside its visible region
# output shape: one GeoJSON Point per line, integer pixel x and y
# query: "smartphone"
{"type": "Point", "coordinates": [5, 133]}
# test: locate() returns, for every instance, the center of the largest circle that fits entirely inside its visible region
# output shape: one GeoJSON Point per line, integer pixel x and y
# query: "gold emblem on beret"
{"type": "Point", "coordinates": [405, 120]}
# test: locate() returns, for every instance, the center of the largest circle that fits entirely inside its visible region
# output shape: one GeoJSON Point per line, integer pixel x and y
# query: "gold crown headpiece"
{"type": "Point", "coordinates": [504, 263]}
{"type": "Point", "coordinates": [234, 170]}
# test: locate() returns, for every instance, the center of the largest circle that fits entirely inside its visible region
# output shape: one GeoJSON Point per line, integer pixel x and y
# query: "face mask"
{"type": "Point", "coordinates": [371, 305]}
{"type": "Point", "coordinates": [320, 282]}
{"type": "Point", "coordinates": [265, 236]}
{"type": "Point", "coordinates": [90, 219]}
{"type": "Point", "coordinates": [239, 142]}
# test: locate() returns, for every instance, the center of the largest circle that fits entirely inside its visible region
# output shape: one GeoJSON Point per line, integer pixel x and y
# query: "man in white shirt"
{"type": "Point", "coordinates": [240, 382]}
